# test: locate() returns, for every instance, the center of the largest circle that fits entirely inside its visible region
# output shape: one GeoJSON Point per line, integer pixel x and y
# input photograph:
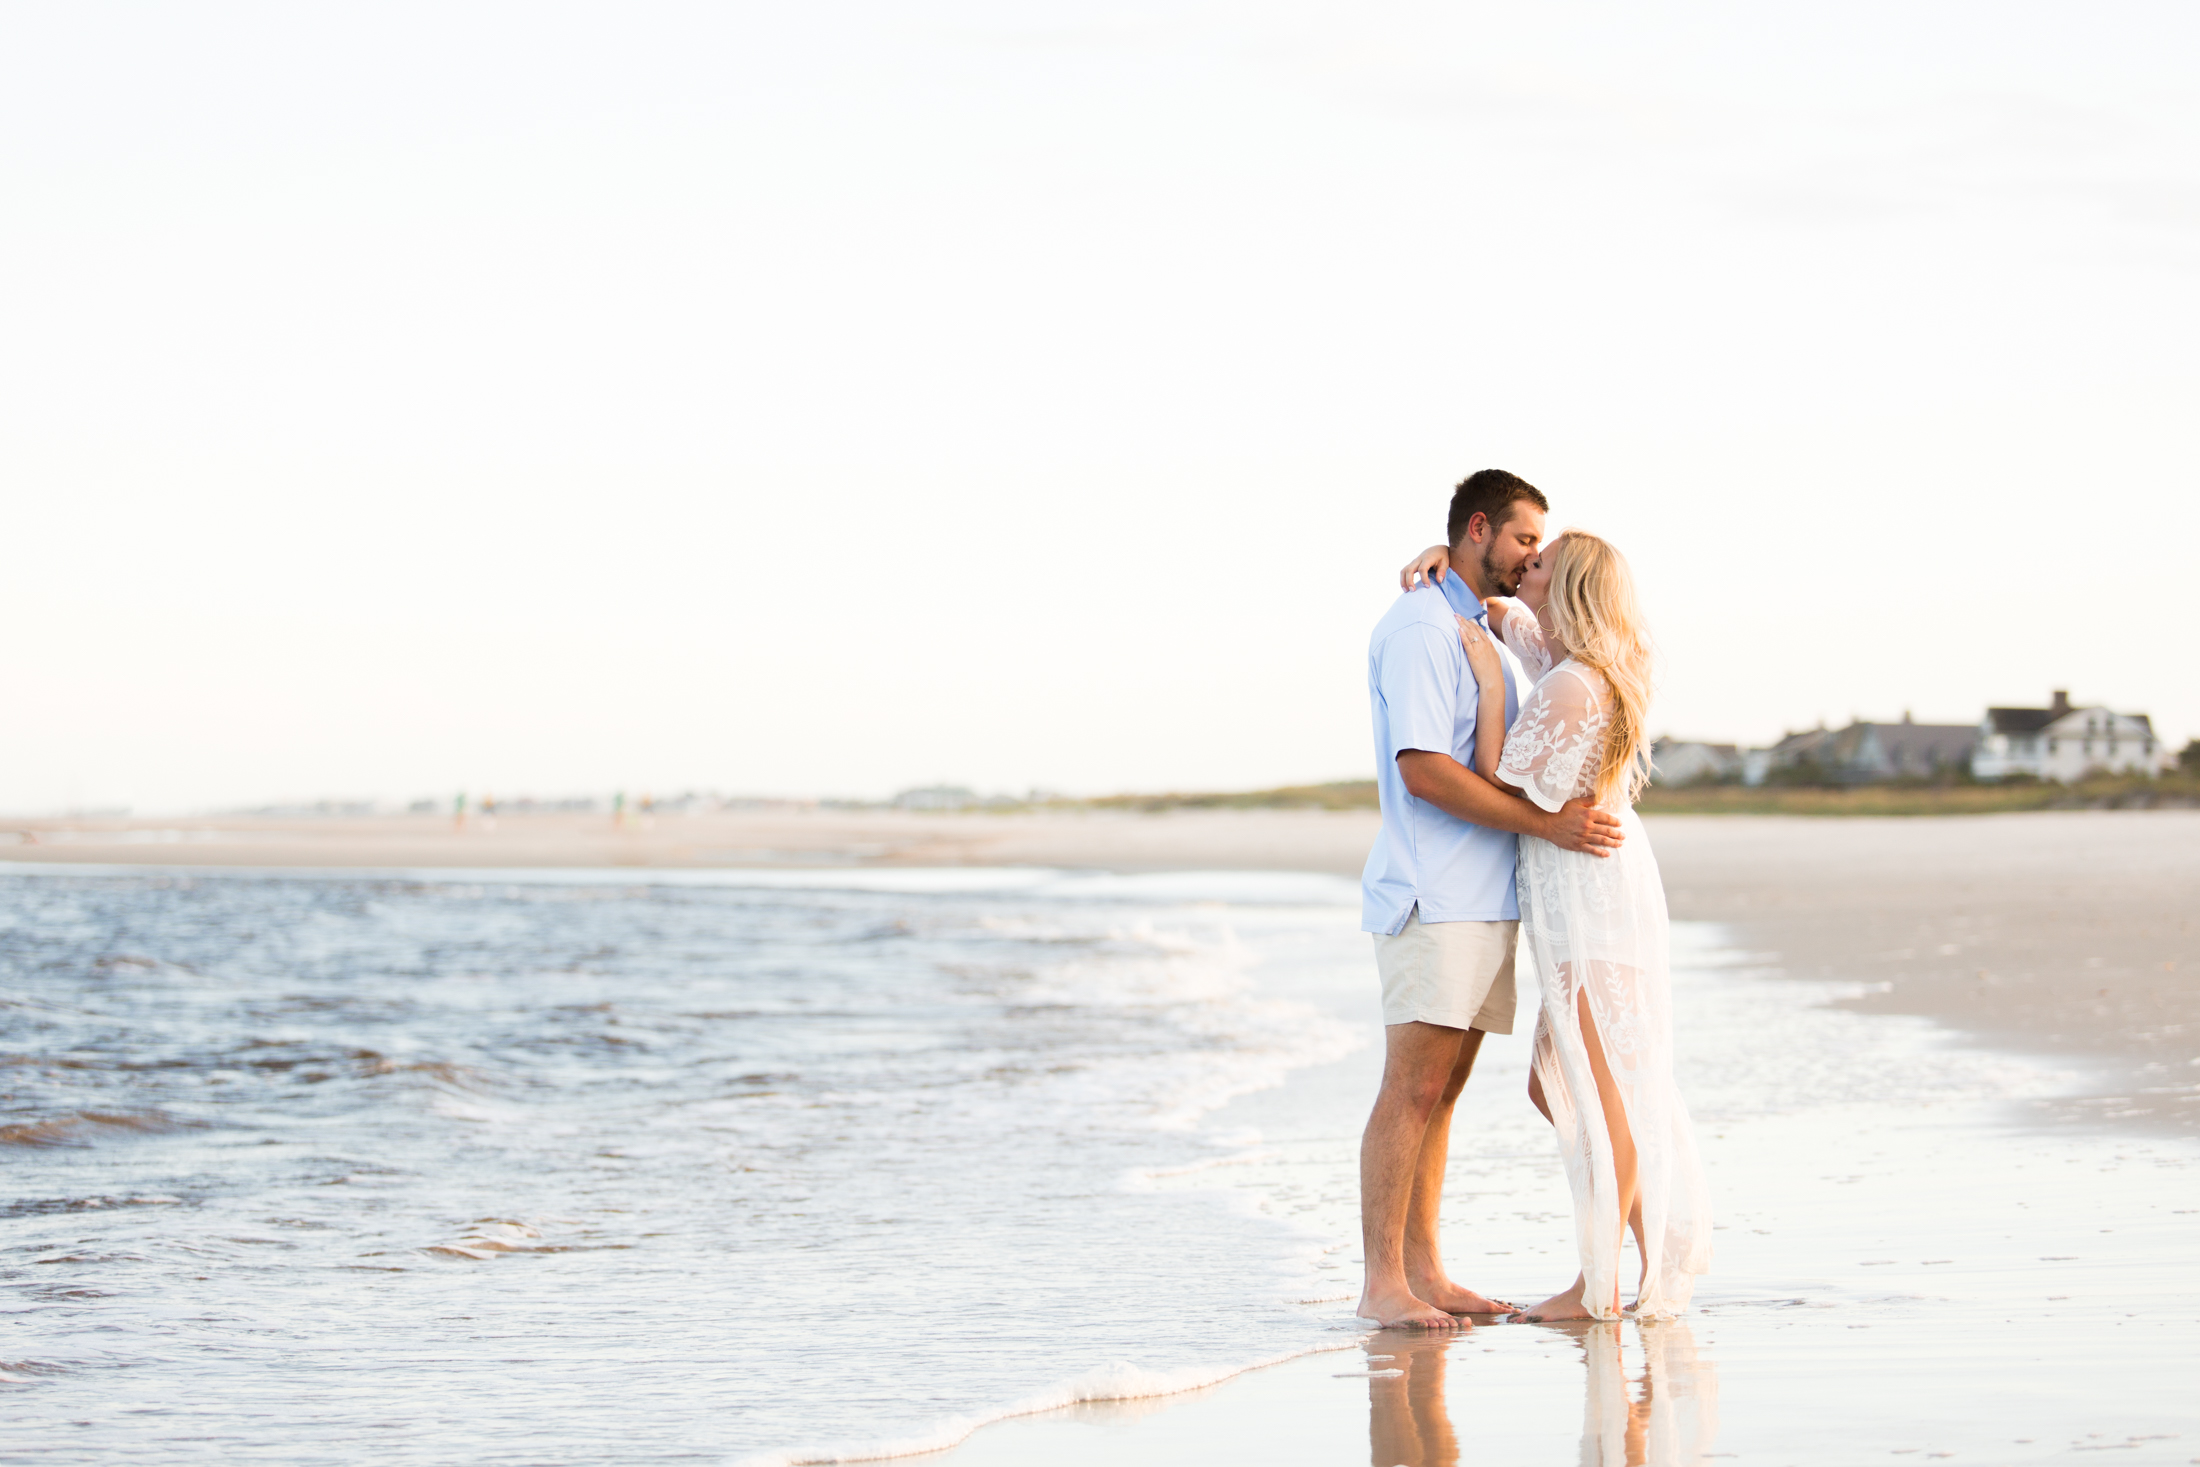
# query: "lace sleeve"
{"type": "Point", "coordinates": [1557, 743]}
{"type": "Point", "coordinates": [1525, 638]}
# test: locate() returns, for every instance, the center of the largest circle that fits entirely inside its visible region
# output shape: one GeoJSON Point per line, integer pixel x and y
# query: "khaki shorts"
{"type": "Point", "coordinates": [1457, 974]}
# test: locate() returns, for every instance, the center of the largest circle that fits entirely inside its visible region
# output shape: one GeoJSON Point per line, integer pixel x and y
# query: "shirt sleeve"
{"type": "Point", "coordinates": [1557, 743]}
{"type": "Point", "coordinates": [1524, 636]}
{"type": "Point", "coordinates": [1418, 671]}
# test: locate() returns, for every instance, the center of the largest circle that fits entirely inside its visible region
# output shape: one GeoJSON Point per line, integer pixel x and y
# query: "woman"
{"type": "Point", "coordinates": [1594, 929]}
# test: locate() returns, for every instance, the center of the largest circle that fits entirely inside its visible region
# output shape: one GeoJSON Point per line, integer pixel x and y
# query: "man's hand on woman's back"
{"type": "Point", "coordinates": [1581, 826]}
{"type": "Point", "coordinates": [1457, 790]}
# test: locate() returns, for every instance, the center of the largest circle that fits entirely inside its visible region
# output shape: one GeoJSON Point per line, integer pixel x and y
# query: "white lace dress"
{"type": "Point", "coordinates": [1593, 931]}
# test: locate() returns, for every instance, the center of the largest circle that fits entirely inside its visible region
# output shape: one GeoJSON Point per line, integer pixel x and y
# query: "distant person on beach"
{"type": "Point", "coordinates": [1595, 929]}
{"type": "Point", "coordinates": [1438, 889]}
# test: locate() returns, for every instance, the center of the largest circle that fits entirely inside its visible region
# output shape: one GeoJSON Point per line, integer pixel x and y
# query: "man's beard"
{"type": "Point", "coordinates": [1505, 583]}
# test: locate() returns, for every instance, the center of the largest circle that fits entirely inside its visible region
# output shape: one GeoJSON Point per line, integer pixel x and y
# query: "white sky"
{"type": "Point", "coordinates": [832, 397]}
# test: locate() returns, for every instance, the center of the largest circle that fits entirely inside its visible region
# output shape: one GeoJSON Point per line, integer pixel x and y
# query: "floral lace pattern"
{"type": "Point", "coordinates": [1556, 746]}
{"type": "Point", "coordinates": [1594, 931]}
{"type": "Point", "coordinates": [1524, 636]}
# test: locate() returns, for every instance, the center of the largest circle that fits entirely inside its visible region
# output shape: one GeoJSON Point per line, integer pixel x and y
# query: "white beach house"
{"type": "Point", "coordinates": [2064, 742]}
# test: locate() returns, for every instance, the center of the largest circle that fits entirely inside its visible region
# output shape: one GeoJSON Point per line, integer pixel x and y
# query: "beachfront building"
{"type": "Point", "coordinates": [1907, 750]}
{"type": "Point", "coordinates": [2065, 742]}
{"type": "Point", "coordinates": [936, 797]}
{"type": "Point", "coordinates": [1794, 755]}
{"type": "Point", "coordinates": [1681, 761]}
{"type": "Point", "coordinates": [1865, 753]}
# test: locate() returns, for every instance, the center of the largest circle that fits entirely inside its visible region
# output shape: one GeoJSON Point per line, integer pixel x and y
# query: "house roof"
{"type": "Point", "coordinates": [2076, 722]}
{"type": "Point", "coordinates": [1731, 751]}
{"type": "Point", "coordinates": [1842, 745]}
{"type": "Point", "coordinates": [1802, 743]}
{"type": "Point", "coordinates": [2020, 720]}
{"type": "Point", "coordinates": [1926, 743]}
{"type": "Point", "coordinates": [1902, 745]}
{"type": "Point", "coordinates": [2034, 720]}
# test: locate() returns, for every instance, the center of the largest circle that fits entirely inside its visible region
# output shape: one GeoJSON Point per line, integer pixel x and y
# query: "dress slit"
{"type": "Point", "coordinates": [1593, 931]}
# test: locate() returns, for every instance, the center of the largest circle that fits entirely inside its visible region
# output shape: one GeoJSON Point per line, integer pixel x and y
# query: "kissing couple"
{"type": "Point", "coordinates": [1510, 699]}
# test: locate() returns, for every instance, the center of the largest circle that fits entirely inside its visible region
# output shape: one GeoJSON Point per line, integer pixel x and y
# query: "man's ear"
{"type": "Point", "coordinates": [1478, 528]}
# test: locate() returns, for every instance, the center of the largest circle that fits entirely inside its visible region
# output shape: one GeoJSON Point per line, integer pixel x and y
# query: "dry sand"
{"type": "Point", "coordinates": [1249, 840]}
{"type": "Point", "coordinates": [2073, 933]}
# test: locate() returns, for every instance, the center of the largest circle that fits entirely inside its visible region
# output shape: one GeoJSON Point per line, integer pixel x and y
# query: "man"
{"type": "Point", "coordinates": [1438, 892]}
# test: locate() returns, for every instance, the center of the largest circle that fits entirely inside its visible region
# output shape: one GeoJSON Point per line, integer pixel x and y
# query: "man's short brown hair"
{"type": "Point", "coordinates": [1491, 493]}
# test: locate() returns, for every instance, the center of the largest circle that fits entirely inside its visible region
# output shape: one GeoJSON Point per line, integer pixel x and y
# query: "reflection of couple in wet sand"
{"type": "Point", "coordinates": [1510, 741]}
{"type": "Point", "coordinates": [1668, 1413]}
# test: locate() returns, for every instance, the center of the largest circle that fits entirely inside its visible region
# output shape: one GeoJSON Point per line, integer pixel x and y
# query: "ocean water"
{"type": "Point", "coordinates": [575, 1169]}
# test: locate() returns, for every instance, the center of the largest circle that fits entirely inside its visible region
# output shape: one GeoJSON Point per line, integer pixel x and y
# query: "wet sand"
{"type": "Point", "coordinates": [2072, 935]}
{"type": "Point", "coordinates": [1898, 1271]}
{"type": "Point", "coordinates": [2067, 934]}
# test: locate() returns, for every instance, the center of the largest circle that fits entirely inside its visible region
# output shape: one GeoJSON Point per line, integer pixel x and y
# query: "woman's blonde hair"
{"type": "Point", "coordinates": [1594, 612]}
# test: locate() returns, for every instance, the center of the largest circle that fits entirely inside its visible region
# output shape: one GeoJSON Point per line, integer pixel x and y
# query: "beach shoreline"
{"type": "Point", "coordinates": [2069, 934]}
{"type": "Point", "coordinates": [1129, 841]}
{"type": "Point", "coordinates": [1879, 1174]}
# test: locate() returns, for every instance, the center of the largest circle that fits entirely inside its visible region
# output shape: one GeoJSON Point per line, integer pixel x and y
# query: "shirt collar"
{"type": "Point", "coordinates": [1462, 598]}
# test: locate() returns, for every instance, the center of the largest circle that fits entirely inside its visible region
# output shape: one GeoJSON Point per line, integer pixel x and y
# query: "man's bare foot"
{"type": "Point", "coordinates": [1400, 1309]}
{"type": "Point", "coordinates": [1454, 1299]}
{"type": "Point", "coordinates": [1559, 1306]}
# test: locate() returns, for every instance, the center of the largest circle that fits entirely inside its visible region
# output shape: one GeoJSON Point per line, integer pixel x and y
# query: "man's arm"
{"type": "Point", "coordinates": [1418, 670]}
{"type": "Point", "coordinates": [1457, 790]}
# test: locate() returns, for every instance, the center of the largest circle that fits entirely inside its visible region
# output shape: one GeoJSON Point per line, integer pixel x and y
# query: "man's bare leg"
{"type": "Point", "coordinates": [1418, 1063]}
{"type": "Point", "coordinates": [1425, 1273]}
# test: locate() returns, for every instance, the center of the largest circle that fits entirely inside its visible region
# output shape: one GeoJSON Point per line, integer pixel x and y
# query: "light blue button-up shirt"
{"type": "Point", "coordinates": [1424, 697]}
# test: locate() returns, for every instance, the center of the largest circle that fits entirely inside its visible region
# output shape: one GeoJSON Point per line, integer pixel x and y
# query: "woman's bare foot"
{"type": "Point", "coordinates": [1454, 1299]}
{"type": "Point", "coordinates": [1559, 1306]}
{"type": "Point", "coordinates": [1400, 1309]}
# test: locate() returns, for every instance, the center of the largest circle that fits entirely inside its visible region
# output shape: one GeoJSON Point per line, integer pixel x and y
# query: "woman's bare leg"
{"type": "Point", "coordinates": [1642, 1254]}
{"type": "Point", "coordinates": [1569, 1305]}
{"type": "Point", "coordinates": [1573, 1295]}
